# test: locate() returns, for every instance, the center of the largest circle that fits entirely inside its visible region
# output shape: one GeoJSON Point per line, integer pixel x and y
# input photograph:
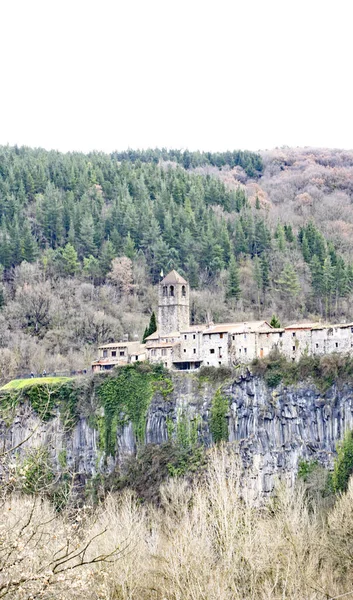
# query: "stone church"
{"type": "Point", "coordinates": [181, 346]}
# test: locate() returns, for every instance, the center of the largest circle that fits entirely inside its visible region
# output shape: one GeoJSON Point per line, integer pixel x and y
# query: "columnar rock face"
{"type": "Point", "coordinates": [271, 430]}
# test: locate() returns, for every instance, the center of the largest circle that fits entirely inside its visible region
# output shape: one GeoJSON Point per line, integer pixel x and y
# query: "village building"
{"type": "Point", "coordinates": [184, 347]}
{"type": "Point", "coordinates": [118, 353]}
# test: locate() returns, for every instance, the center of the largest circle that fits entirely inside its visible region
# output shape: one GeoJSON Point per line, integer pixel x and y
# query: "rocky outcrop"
{"type": "Point", "coordinates": [270, 429]}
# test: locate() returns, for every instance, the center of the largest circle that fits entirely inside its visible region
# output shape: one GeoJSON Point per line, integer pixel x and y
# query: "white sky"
{"type": "Point", "coordinates": [226, 74]}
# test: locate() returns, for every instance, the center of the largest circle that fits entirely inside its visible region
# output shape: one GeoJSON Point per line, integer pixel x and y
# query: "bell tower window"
{"type": "Point", "coordinates": [171, 290]}
{"type": "Point", "coordinates": [165, 290]}
{"type": "Point", "coordinates": [183, 291]}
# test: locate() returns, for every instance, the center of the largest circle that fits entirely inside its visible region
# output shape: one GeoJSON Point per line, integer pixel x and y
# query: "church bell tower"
{"type": "Point", "coordinates": [173, 304]}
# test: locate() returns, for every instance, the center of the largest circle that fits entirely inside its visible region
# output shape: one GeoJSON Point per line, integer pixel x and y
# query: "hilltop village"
{"type": "Point", "coordinates": [181, 346]}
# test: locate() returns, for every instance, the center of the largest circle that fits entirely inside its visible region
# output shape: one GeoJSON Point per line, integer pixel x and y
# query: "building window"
{"type": "Point", "coordinates": [219, 363]}
{"type": "Point", "coordinates": [183, 291]}
{"type": "Point", "coordinates": [233, 337]}
{"type": "Point", "coordinates": [194, 336]}
{"type": "Point", "coordinates": [293, 334]}
{"type": "Point", "coordinates": [185, 337]}
{"type": "Point", "coordinates": [211, 350]}
{"type": "Point", "coordinates": [351, 329]}
{"type": "Point", "coordinates": [317, 345]}
{"type": "Point", "coordinates": [281, 334]}
{"type": "Point", "coordinates": [239, 350]}
{"type": "Point", "coordinates": [220, 352]}
{"type": "Point", "coordinates": [209, 336]}
{"type": "Point", "coordinates": [171, 290]}
{"type": "Point", "coordinates": [244, 336]}
{"type": "Point", "coordinates": [245, 350]}
{"type": "Point", "coordinates": [184, 349]}
{"type": "Point", "coordinates": [105, 353]}
{"type": "Point", "coordinates": [113, 352]}
{"type": "Point", "coordinates": [122, 353]}
{"type": "Point", "coordinates": [153, 352]}
{"type": "Point", "coordinates": [336, 344]}
{"type": "Point", "coordinates": [194, 350]}
{"type": "Point", "coordinates": [165, 290]}
{"type": "Point", "coordinates": [164, 351]}
{"type": "Point", "coordinates": [221, 336]}
{"type": "Point", "coordinates": [293, 348]}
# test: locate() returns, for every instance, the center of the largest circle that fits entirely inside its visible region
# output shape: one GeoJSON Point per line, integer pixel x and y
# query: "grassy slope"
{"type": "Point", "coordinates": [17, 384]}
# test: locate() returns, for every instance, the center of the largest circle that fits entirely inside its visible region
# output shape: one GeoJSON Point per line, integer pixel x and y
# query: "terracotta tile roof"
{"type": "Point", "coordinates": [246, 327]}
{"type": "Point", "coordinates": [173, 277]}
{"type": "Point", "coordinates": [307, 326]}
{"type": "Point", "coordinates": [162, 345]}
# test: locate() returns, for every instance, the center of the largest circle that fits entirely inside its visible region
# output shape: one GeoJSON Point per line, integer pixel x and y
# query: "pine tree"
{"type": "Point", "coordinates": [289, 233]}
{"type": "Point", "coordinates": [305, 248]}
{"type": "Point", "coordinates": [106, 256]}
{"type": "Point", "coordinates": [86, 237]}
{"type": "Point", "coordinates": [152, 327]}
{"type": "Point", "coordinates": [328, 282]}
{"type": "Point", "coordinates": [240, 243]}
{"type": "Point", "coordinates": [129, 247]}
{"type": "Point", "coordinates": [233, 290]}
{"type": "Point", "coordinates": [275, 322]}
{"type": "Point", "coordinates": [265, 273]}
{"type": "Point", "coordinates": [29, 245]}
{"type": "Point", "coordinates": [69, 260]}
{"type": "Point", "coordinates": [288, 283]}
{"type": "Point", "coordinates": [280, 236]}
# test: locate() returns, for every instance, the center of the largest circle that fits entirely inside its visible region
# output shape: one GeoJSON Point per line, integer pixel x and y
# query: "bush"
{"type": "Point", "coordinates": [343, 467]}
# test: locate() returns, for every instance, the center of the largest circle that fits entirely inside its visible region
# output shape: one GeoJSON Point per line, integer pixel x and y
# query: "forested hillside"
{"type": "Point", "coordinates": [83, 239]}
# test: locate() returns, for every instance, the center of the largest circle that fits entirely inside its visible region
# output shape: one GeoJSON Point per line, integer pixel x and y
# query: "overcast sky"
{"type": "Point", "coordinates": [226, 74]}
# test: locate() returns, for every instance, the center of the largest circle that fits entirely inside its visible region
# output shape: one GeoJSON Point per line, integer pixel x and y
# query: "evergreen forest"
{"type": "Point", "coordinates": [84, 238]}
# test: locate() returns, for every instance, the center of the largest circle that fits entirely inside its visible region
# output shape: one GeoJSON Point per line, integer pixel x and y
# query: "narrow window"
{"type": "Point", "coordinates": [220, 351]}
{"type": "Point", "coordinates": [183, 291]}
{"type": "Point", "coordinates": [293, 348]}
{"type": "Point", "coordinates": [194, 337]}
{"type": "Point", "coordinates": [221, 336]}
{"type": "Point", "coordinates": [293, 334]}
{"type": "Point", "coordinates": [194, 350]}
{"type": "Point", "coordinates": [233, 337]}
{"type": "Point", "coordinates": [336, 344]}
{"type": "Point", "coordinates": [317, 345]}
{"type": "Point", "coordinates": [245, 350]}
{"type": "Point", "coordinates": [185, 337]}
{"type": "Point", "coordinates": [239, 350]}
{"type": "Point", "coordinates": [164, 351]}
{"type": "Point", "coordinates": [165, 290]}
{"type": "Point", "coordinates": [105, 353]}
{"type": "Point", "coordinates": [219, 363]}
{"type": "Point", "coordinates": [171, 290]}
{"type": "Point", "coordinates": [184, 349]}
{"type": "Point", "coordinates": [351, 329]}
{"type": "Point", "coordinates": [244, 336]}
{"type": "Point", "coordinates": [280, 335]}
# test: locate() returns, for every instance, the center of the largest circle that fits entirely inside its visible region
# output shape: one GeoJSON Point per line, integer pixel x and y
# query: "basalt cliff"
{"type": "Point", "coordinates": [270, 429]}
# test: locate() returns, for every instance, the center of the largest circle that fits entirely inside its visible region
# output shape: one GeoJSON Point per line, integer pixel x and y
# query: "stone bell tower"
{"type": "Point", "coordinates": [173, 304]}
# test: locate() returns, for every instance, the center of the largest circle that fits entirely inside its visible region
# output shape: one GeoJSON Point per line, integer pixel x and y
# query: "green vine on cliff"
{"type": "Point", "coordinates": [126, 396]}
{"type": "Point", "coordinates": [218, 418]}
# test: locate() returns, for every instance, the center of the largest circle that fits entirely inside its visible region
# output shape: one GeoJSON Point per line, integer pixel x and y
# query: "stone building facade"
{"type": "Point", "coordinates": [181, 346]}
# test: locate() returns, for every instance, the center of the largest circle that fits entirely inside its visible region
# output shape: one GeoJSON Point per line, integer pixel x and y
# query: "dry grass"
{"type": "Point", "coordinates": [204, 543]}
